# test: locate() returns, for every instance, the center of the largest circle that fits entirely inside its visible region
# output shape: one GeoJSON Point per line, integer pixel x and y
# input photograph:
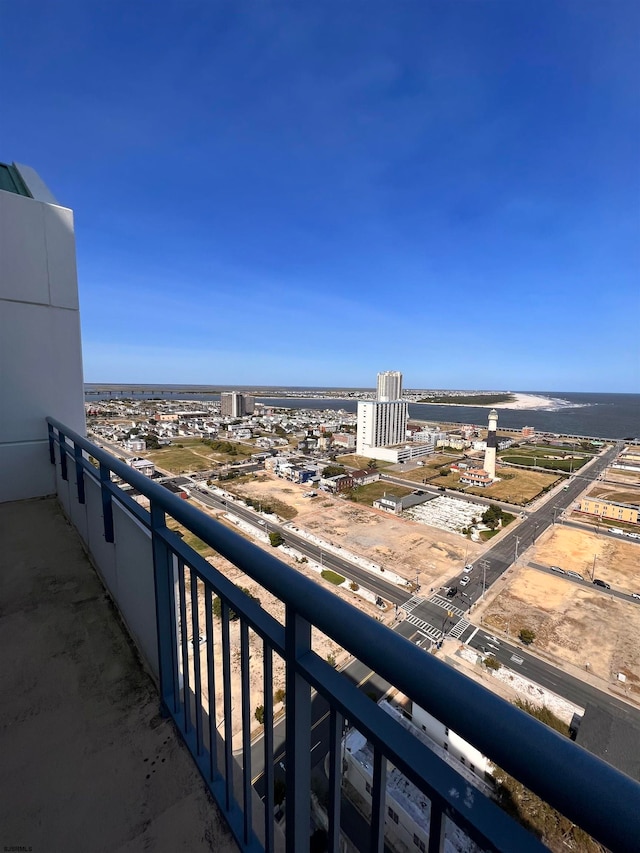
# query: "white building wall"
{"type": "Point", "coordinates": [468, 755]}
{"type": "Point", "coordinates": [380, 424]}
{"type": "Point", "coordinates": [389, 386]}
{"type": "Point", "coordinates": [40, 350]}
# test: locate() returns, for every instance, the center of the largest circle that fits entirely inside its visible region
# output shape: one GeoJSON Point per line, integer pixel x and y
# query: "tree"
{"type": "Point", "coordinates": [491, 663]}
{"type": "Point", "coordinates": [527, 636]}
{"type": "Point", "coordinates": [259, 714]}
{"type": "Point", "coordinates": [279, 695]}
{"type": "Point", "coordinates": [373, 463]}
{"type": "Point", "coordinates": [276, 539]}
{"type": "Point", "coordinates": [217, 605]}
{"type": "Point", "coordinates": [354, 586]}
{"type": "Point", "coordinates": [333, 470]}
{"type": "Point", "coordinates": [331, 660]}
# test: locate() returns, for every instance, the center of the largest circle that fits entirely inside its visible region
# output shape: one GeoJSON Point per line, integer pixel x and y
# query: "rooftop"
{"type": "Point", "coordinates": [80, 729]}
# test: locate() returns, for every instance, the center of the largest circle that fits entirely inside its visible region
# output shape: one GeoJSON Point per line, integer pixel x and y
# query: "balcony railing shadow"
{"type": "Point", "coordinates": [165, 593]}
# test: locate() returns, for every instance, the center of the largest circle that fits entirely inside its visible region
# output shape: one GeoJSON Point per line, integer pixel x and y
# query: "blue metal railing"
{"type": "Point", "coordinates": [592, 794]}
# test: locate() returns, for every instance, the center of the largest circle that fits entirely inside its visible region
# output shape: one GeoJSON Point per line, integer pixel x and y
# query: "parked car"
{"type": "Point", "coordinates": [575, 575]}
{"type": "Point", "coordinates": [468, 567]}
{"type": "Point", "coordinates": [557, 569]}
{"type": "Point", "coordinates": [465, 580]}
{"type": "Point", "coordinates": [603, 584]}
{"type": "Point", "coordinates": [635, 595]}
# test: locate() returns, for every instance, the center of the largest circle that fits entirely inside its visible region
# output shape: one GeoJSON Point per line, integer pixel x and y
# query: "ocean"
{"type": "Point", "coordinates": [598, 415]}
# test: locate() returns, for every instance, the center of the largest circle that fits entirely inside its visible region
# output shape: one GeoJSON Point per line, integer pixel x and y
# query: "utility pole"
{"type": "Point", "coordinates": [517, 543]}
{"type": "Point", "coordinates": [485, 566]}
{"type": "Point", "coordinates": [593, 568]}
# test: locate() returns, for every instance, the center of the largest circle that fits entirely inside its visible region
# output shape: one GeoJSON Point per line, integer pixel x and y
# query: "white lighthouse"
{"type": "Point", "coordinates": [490, 452]}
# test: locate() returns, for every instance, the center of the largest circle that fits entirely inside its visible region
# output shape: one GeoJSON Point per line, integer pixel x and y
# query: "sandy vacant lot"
{"type": "Point", "coordinates": [619, 494]}
{"type": "Point", "coordinates": [629, 478]}
{"type": "Point", "coordinates": [577, 625]}
{"type": "Point", "coordinates": [322, 645]}
{"type": "Point", "coordinates": [617, 561]}
{"type": "Point", "coordinates": [399, 544]}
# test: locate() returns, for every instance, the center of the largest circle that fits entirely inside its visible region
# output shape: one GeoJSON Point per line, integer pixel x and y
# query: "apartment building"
{"type": "Point", "coordinates": [609, 509]}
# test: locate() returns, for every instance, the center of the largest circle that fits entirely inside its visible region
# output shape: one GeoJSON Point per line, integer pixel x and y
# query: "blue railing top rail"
{"type": "Point", "coordinates": [591, 793]}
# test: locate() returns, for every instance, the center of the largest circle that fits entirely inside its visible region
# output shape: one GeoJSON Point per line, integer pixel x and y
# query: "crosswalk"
{"type": "Point", "coordinates": [446, 604]}
{"type": "Point", "coordinates": [412, 603]}
{"type": "Point", "coordinates": [459, 628]}
{"type": "Point", "coordinates": [428, 629]}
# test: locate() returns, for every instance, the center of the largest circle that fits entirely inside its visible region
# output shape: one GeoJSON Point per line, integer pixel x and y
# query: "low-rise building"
{"type": "Point", "coordinates": [365, 476]}
{"type": "Point", "coordinates": [400, 452]}
{"type": "Point", "coordinates": [389, 503]}
{"type": "Point", "coordinates": [136, 445]}
{"type": "Point", "coordinates": [609, 509]}
{"type": "Point", "coordinates": [476, 477]}
{"type": "Point", "coordinates": [144, 466]}
{"type": "Point", "coordinates": [339, 483]}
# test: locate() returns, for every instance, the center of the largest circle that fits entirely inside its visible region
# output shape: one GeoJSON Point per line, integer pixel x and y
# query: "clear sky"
{"type": "Point", "coordinates": [305, 193]}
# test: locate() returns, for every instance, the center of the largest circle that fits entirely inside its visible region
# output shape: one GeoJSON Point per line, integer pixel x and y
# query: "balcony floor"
{"type": "Point", "coordinates": [87, 762]}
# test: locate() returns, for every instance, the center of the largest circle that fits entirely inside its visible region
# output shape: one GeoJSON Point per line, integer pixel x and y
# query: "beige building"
{"type": "Point", "coordinates": [609, 509]}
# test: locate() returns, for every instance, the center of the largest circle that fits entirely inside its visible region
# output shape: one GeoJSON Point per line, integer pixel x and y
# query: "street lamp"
{"type": "Point", "coordinates": [593, 568]}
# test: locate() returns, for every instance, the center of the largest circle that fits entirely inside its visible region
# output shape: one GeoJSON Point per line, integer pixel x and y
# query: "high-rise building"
{"type": "Point", "coordinates": [380, 424]}
{"type": "Point", "coordinates": [233, 404]}
{"type": "Point", "coordinates": [389, 386]}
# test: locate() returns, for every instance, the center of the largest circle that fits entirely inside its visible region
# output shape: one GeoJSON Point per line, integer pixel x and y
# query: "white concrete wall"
{"type": "Point", "coordinates": [40, 350]}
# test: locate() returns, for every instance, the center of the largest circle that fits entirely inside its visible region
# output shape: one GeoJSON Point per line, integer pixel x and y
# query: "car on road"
{"type": "Point", "coordinates": [453, 590]}
{"type": "Point", "coordinates": [465, 580]}
{"type": "Point", "coordinates": [603, 584]}
{"type": "Point", "coordinates": [468, 567]}
{"type": "Point", "coordinates": [575, 575]}
{"type": "Point", "coordinates": [557, 569]}
{"type": "Point", "coordinates": [635, 595]}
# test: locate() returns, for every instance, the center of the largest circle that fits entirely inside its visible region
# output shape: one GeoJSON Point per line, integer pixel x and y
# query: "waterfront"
{"type": "Point", "coordinates": [602, 415]}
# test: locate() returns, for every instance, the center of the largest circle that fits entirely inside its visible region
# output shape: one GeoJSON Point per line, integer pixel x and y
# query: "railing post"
{"type": "Point", "coordinates": [165, 613]}
{"type": "Point", "coordinates": [298, 738]}
{"type": "Point", "coordinates": [77, 452]}
{"type": "Point", "coordinates": [62, 444]}
{"type": "Point", "coordinates": [107, 508]}
{"type": "Point", "coordinates": [52, 449]}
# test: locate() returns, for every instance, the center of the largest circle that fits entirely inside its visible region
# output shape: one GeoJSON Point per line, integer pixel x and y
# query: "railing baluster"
{"type": "Point", "coordinates": [165, 612]}
{"type": "Point", "coordinates": [197, 678]}
{"type": "Point", "coordinates": [268, 746]}
{"type": "Point", "coordinates": [226, 697]}
{"type": "Point", "coordinates": [184, 643]}
{"type": "Point", "coordinates": [107, 507]}
{"type": "Point", "coordinates": [62, 439]}
{"type": "Point", "coordinates": [77, 451]}
{"type": "Point", "coordinates": [246, 729]}
{"type": "Point", "coordinates": [379, 786]}
{"type": "Point", "coordinates": [436, 826]}
{"type": "Point", "coordinates": [336, 722]}
{"type": "Point", "coordinates": [211, 684]}
{"type": "Point", "coordinates": [298, 740]}
{"type": "Point", "coordinates": [52, 448]}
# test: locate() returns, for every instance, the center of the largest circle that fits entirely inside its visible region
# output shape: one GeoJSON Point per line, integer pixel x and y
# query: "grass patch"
{"type": "Point", "coordinates": [543, 462]}
{"type": "Point", "coordinates": [609, 494]}
{"type": "Point", "coordinates": [353, 461]}
{"type": "Point", "coordinates": [485, 535]}
{"type": "Point", "coordinates": [372, 491]}
{"type": "Point", "coordinates": [190, 538]}
{"type": "Point", "coordinates": [198, 454]}
{"type": "Point", "coordinates": [332, 577]}
{"type": "Point", "coordinates": [516, 486]}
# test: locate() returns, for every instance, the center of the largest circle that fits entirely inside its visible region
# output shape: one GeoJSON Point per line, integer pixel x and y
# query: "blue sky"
{"type": "Point", "coordinates": [308, 192]}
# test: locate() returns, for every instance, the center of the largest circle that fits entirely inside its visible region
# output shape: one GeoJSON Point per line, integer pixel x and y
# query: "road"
{"type": "Point", "coordinates": [498, 558]}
